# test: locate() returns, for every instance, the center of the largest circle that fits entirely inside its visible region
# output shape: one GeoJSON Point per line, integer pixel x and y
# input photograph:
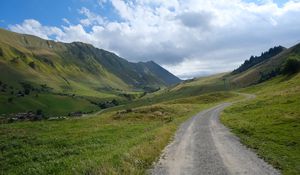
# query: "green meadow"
{"type": "Point", "coordinates": [51, 105]}
{"type": "Point", "coordinates": [120, 141]}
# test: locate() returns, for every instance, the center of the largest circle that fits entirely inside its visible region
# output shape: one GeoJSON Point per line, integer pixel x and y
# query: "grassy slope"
{"type": "Point", "coordinates": [51, 105]}
{"type": "Point", "coordinates": [254, 74]}
{"type": "Point", "coordinates": [270, 124]}
{"type": "Point", "coordinates": [64, 76]}
{"type": "Point", "coordinates": [189, 88]}
{"type": "Point", "coordinates": [74, 68]}
{"type": "Point", "coordinates": [58, 63]}
{"type": "Point", "coordinates": [112, 143]}
{"type": "Point", "coordinates": [55, 66]}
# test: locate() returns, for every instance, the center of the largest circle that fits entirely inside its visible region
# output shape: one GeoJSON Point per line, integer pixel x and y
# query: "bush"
{"type": "Point", "coordinates": [39, 112]}
{"type": "Point", "coordinates": [39, 115]}
{"type": "Point", "coordinates": [32, 65]}
{"type": "Point", "coordinates": [291, 66]}
{"type": "Point", "coordinates": [10, 100]}
{"type": "Point", "coordinates": [27, 91]}
{"type": "Point", "coordinates": [115, 102]}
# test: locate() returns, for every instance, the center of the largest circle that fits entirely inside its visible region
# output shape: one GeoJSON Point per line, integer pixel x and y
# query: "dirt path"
{"type": "Point", "coordinates": [202, 145]}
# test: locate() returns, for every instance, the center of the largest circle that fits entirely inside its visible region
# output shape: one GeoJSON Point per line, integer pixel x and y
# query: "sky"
{"type": "Point", "coordinates": [189, 38]}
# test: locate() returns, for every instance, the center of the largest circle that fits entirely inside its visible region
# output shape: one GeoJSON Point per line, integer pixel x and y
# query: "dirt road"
{"type": "Point", "coordinates": [202, 145]}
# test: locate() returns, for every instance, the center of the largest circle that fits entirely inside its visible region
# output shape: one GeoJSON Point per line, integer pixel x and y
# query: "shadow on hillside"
{"type": "Point", "coordinates": [288, 77]}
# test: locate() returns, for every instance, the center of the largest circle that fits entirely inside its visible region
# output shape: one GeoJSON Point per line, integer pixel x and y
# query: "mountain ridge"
{"type": "Point", "coordinates": [254, 60]}
{"type": "Point", "coordinates": [78, 63]}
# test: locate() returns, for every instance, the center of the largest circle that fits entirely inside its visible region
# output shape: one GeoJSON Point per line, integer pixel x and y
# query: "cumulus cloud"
{"type": "Point", "coordinates": [188, 37]}
{"type": "Point", "coordinates": [31, 26]}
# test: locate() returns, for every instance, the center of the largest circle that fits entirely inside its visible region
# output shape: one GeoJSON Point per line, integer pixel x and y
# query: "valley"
{"type": "Point", "coordinates": [32, 68]}
{"type": "Point", "coordinates": [129, 112]}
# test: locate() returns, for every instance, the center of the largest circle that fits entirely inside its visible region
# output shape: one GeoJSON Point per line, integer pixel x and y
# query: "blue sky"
{"type": "Point", "coordinates": [51, 12]}
{"type": "Point", "coordinates": [187, 37]}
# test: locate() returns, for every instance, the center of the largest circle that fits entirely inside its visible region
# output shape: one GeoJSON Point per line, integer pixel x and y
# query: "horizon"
{"type": "Point", "coordinates": [189, 39]}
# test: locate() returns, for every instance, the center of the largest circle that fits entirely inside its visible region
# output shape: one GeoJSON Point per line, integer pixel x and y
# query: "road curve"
{"type": "Point", "coordinates": [202, 145]}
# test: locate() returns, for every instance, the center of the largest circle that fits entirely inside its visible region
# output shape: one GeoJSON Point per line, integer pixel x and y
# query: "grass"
{"type": "Point", "coordinates": [270, 124]}
{"type": "Point", "coordinates": [117, 142]}
{"type": "Point", "coordinates": [51, 105]}
{"type": "Point", "coordinates": [186, 89]}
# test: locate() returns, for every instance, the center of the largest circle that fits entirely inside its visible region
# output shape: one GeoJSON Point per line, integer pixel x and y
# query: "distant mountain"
{"type": "Point", "coordinates": [254, 60]}
{"type": "Point", "coordinates": [74, 67]}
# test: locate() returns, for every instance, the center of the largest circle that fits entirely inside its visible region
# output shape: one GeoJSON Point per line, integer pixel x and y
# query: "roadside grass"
{"type": "Point", "coordinates": [270, 124]}
{"type": "Point", "coordinates": [124, 141]}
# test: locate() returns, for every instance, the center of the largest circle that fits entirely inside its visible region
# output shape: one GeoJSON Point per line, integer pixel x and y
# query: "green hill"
{"type": "Point", "coordinates": [254, 60]}
{"type": "Point", "coordinates": [264, 70]}
{"type": "Point", "coordinates": [29, 63]}
{"type": "Point", "coordinates": [69, 66]}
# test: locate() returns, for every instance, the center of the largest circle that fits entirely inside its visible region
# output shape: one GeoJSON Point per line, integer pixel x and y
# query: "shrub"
{"type": "Point", "coordinates": [115, 102]}
{"type": "Point", "coordinates": [39, 112]}
{"type": "Point", "coordinates": [291, 66]}
{"type": "Point", "coordinates": [27, 91]}
{"type": "Point", "coordinates": [1, 52]}
{"type": "Point", "coordinates": [32, 65]}
{"type": "Point", "coordinates": [10, 100]}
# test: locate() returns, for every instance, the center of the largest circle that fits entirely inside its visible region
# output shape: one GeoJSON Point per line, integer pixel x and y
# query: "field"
{"type": "Point", "coordinates": [123, 141]}
{"type": "Point", "coordinates": [270, 124]}
{"type": "Point", "coordinates": [51, 105]}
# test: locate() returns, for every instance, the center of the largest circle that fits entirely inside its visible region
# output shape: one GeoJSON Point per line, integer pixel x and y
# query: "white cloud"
{"type": "Point", "coordinates": [31, 26]}
{"type": "Point", "coordinates": [90, 18]}
{"type": "Point", "coordinates": [75, 33]}
{"type": "Point", "coordinates": [188, 37]}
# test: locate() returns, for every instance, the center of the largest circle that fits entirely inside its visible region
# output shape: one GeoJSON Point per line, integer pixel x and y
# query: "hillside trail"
{"type": "Point", "coordinates": [202, 145]}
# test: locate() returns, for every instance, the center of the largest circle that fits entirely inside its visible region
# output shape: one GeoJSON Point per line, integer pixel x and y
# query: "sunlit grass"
{"type": "Point", "coordinates": [270, 124]}
{"type": "Point", "coordinates": [124, 141]}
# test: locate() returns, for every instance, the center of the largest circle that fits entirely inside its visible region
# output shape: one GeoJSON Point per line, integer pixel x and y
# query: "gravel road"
{"type": "Point", "coordinates": [202, 145]}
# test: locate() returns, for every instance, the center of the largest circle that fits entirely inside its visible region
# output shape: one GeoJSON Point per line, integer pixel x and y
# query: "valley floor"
{"type": "Point", "coordinates": [123, 141]}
